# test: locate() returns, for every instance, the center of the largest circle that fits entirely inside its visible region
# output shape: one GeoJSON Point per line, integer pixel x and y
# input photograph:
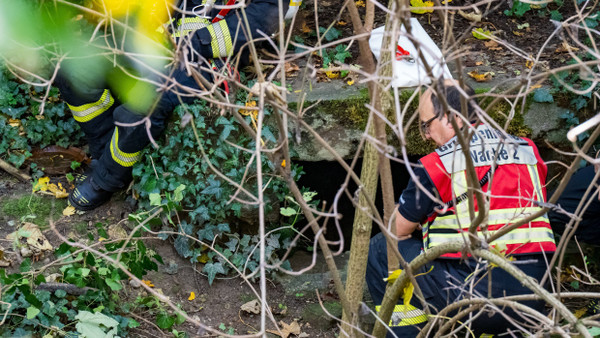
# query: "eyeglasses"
{"type": "Point", "coordinates": [425, 125]}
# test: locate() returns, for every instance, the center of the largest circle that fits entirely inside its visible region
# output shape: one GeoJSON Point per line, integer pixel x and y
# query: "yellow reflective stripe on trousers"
{"type": "Point", "coordinates": [498, 216]}
{"type": "Point", "coordinates": [405, 315]}
{"type": "Point", "coordinates": [188, 25]}
{"type": "Point", "coordinates": [86, 112]}
{"type": "Point", "coordinates": [517, 236]}
{"type": "Point", "coordinates": [121, 157]}
{"type": "Point", "coordinates": [220, 39]}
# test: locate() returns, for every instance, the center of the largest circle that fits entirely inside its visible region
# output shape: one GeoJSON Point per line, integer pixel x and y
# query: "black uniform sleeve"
{"type": "Point", "coordinates": [414, 205]}
{"type": "Point", "coordinates": [263, 16]}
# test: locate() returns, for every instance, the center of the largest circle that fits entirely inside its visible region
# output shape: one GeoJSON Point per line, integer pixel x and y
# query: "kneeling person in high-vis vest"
{"type": "Point", "coordinates": [512, 175]}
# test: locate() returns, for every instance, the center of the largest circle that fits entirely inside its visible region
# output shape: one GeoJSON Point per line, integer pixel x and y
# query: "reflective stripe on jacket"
{"type": "Point", "coordinates": [517, 181]}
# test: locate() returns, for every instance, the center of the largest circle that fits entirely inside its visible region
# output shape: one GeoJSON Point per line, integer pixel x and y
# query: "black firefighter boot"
{"type": "Point", "coordinates": [88, 195]}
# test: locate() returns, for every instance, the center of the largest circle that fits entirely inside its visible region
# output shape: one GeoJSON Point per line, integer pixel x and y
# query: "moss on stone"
{"type": "Point", "coordinates": [317, 318]}
{"type": "Point", "coordinates": [499, 113]}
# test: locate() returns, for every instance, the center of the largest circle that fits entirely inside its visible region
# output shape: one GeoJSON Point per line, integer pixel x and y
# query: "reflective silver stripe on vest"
{"type": "Point", "coordinates": [87, 112]}
{"type": "Point", "coordinates": [498, 216]}
{"type": "Point", "coordinates": [121, 157]}
{"type": "Point", "coordinates": [221, 43]}
{"type": "Point", "coordinates": [517, 236]}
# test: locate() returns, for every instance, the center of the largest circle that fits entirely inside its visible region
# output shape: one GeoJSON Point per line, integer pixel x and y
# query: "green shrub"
{"type": "Point", "coordinates": [178, 178]}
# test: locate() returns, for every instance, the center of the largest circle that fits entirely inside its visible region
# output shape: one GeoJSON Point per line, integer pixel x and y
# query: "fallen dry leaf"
{"type": "Point", "coordinates": [252, 306]}
{"type": "Point", "coordinates": [342, 23]}
{"type": "Point", "coordinates": [479, 63]}
{"type": "Point", "coordinates": [305, 28]}
{"type": "Point", "coordinates": [565, 47]}
{"type": "Point", "coordinates": [69, 211]}
{"type": "Point", "coordinates": [529, 62]}
{"type": "Point", "coordinates": [291, 68]}
{"type": "Point", "coordinates": [535, 86]}
{"type": "Point", "coordinates": [287, 330]}
{"type": "Point", "coordinates": [192, 296]}
{"type": "Point", "coordinates": [470, 16]}
{"type": "Point", "coordinates": [57, 190]}
{"type": "Point", "coordinates": [518, 33]}
{"type": "Point", "coordinates": [480, 77]}
{"type": "Point", "coordinates": [147, 282]}
{"type": "Point", "coordinates": [492, 45]}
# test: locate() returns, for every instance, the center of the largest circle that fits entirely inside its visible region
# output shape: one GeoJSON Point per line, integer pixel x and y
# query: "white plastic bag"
{"type": "Point", "coordinates": [406, 74]}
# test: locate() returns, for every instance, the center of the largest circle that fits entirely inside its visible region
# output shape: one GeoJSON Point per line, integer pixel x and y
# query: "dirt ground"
{"type": "Point", "coordinates": [528, 35]}
{"type": "Point", "coordinates": [216, 305]}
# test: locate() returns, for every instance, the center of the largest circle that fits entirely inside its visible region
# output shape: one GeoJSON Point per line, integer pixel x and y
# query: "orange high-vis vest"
{"type": "Point", "coordinates": [517, 185]}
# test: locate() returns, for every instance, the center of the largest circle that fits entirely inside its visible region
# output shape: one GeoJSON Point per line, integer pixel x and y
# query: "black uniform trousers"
{"type": "Point", "coordinates": [101, 130]}
{"type": "Point", "coordinates": [442, 283]}
{"type": "Point", "coordinates": [588, 229]}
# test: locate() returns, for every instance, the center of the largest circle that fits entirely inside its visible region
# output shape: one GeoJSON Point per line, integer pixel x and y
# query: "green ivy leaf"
{"type": "Point", "coordinates": [212, 269]}
{"type": "Point", "coordinates": [115, 286]}
{"type": "Point", "coordinates": [542, 95]}
{"type": "Point", "coordinates": [32, 312]}
{"type": "Point", "coordinates": [178, 193]}
{"type": "Point", "coordinates": [155, 199]}
{"type": "Point", "coordinates": [164, 321]}
{"type": "Point", "coordinates": [94, 325]}
{"type": "Point", "coordinates": [287, 211]}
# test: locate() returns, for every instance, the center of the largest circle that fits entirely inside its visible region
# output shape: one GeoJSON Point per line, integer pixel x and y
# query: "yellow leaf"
{"type": "Point", "coordinates": [69, 211]}
{"type": "Point", "coordinates": [203, 258]}
{"type": "Point", "coordinates": [283, 163]}
{"type": "Point", "coordinates": [393, 276]}
{"type": "Point", "coordinates": [408, 293]}
{"type": "Point", "coordinates": [192, 296]}
{"type": "Point", "coordinates": [350, 82]}
{"type": "Point", "coordinates": [536, 86]}
{"type": "Point", "coordinates": [58, 191]}
{"type": "Point", "coordinates": [421, 6]}
{"type": "Point", "coordinates": [483, 77]}
{"type": "Point", "coordinates": [446, 2]}
{"type": "Point", "coordinates": [480, 34]}
{"type": "Point", "coordinates": [360, 3]}
{"type": "Point", "coordinates": [518, 33]}
{"type": "Point", "coordinates": [248, 112]}
{"type": "Point", "coordinates": [342, 23]}
{"type": "Point", "coordinates": [147, 282]}
{"type": "Point", "coordinates": [332, 74]}
{"type": "Point", "coordinates": [41, 184]}
{"type": "Point", "coordinates": [529, 62]}
{"type": "Point", "coordinates": [101, 239]}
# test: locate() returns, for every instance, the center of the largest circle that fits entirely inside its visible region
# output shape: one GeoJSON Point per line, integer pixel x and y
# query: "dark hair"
{"type": "Point", "coordinates": [453, 100]}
